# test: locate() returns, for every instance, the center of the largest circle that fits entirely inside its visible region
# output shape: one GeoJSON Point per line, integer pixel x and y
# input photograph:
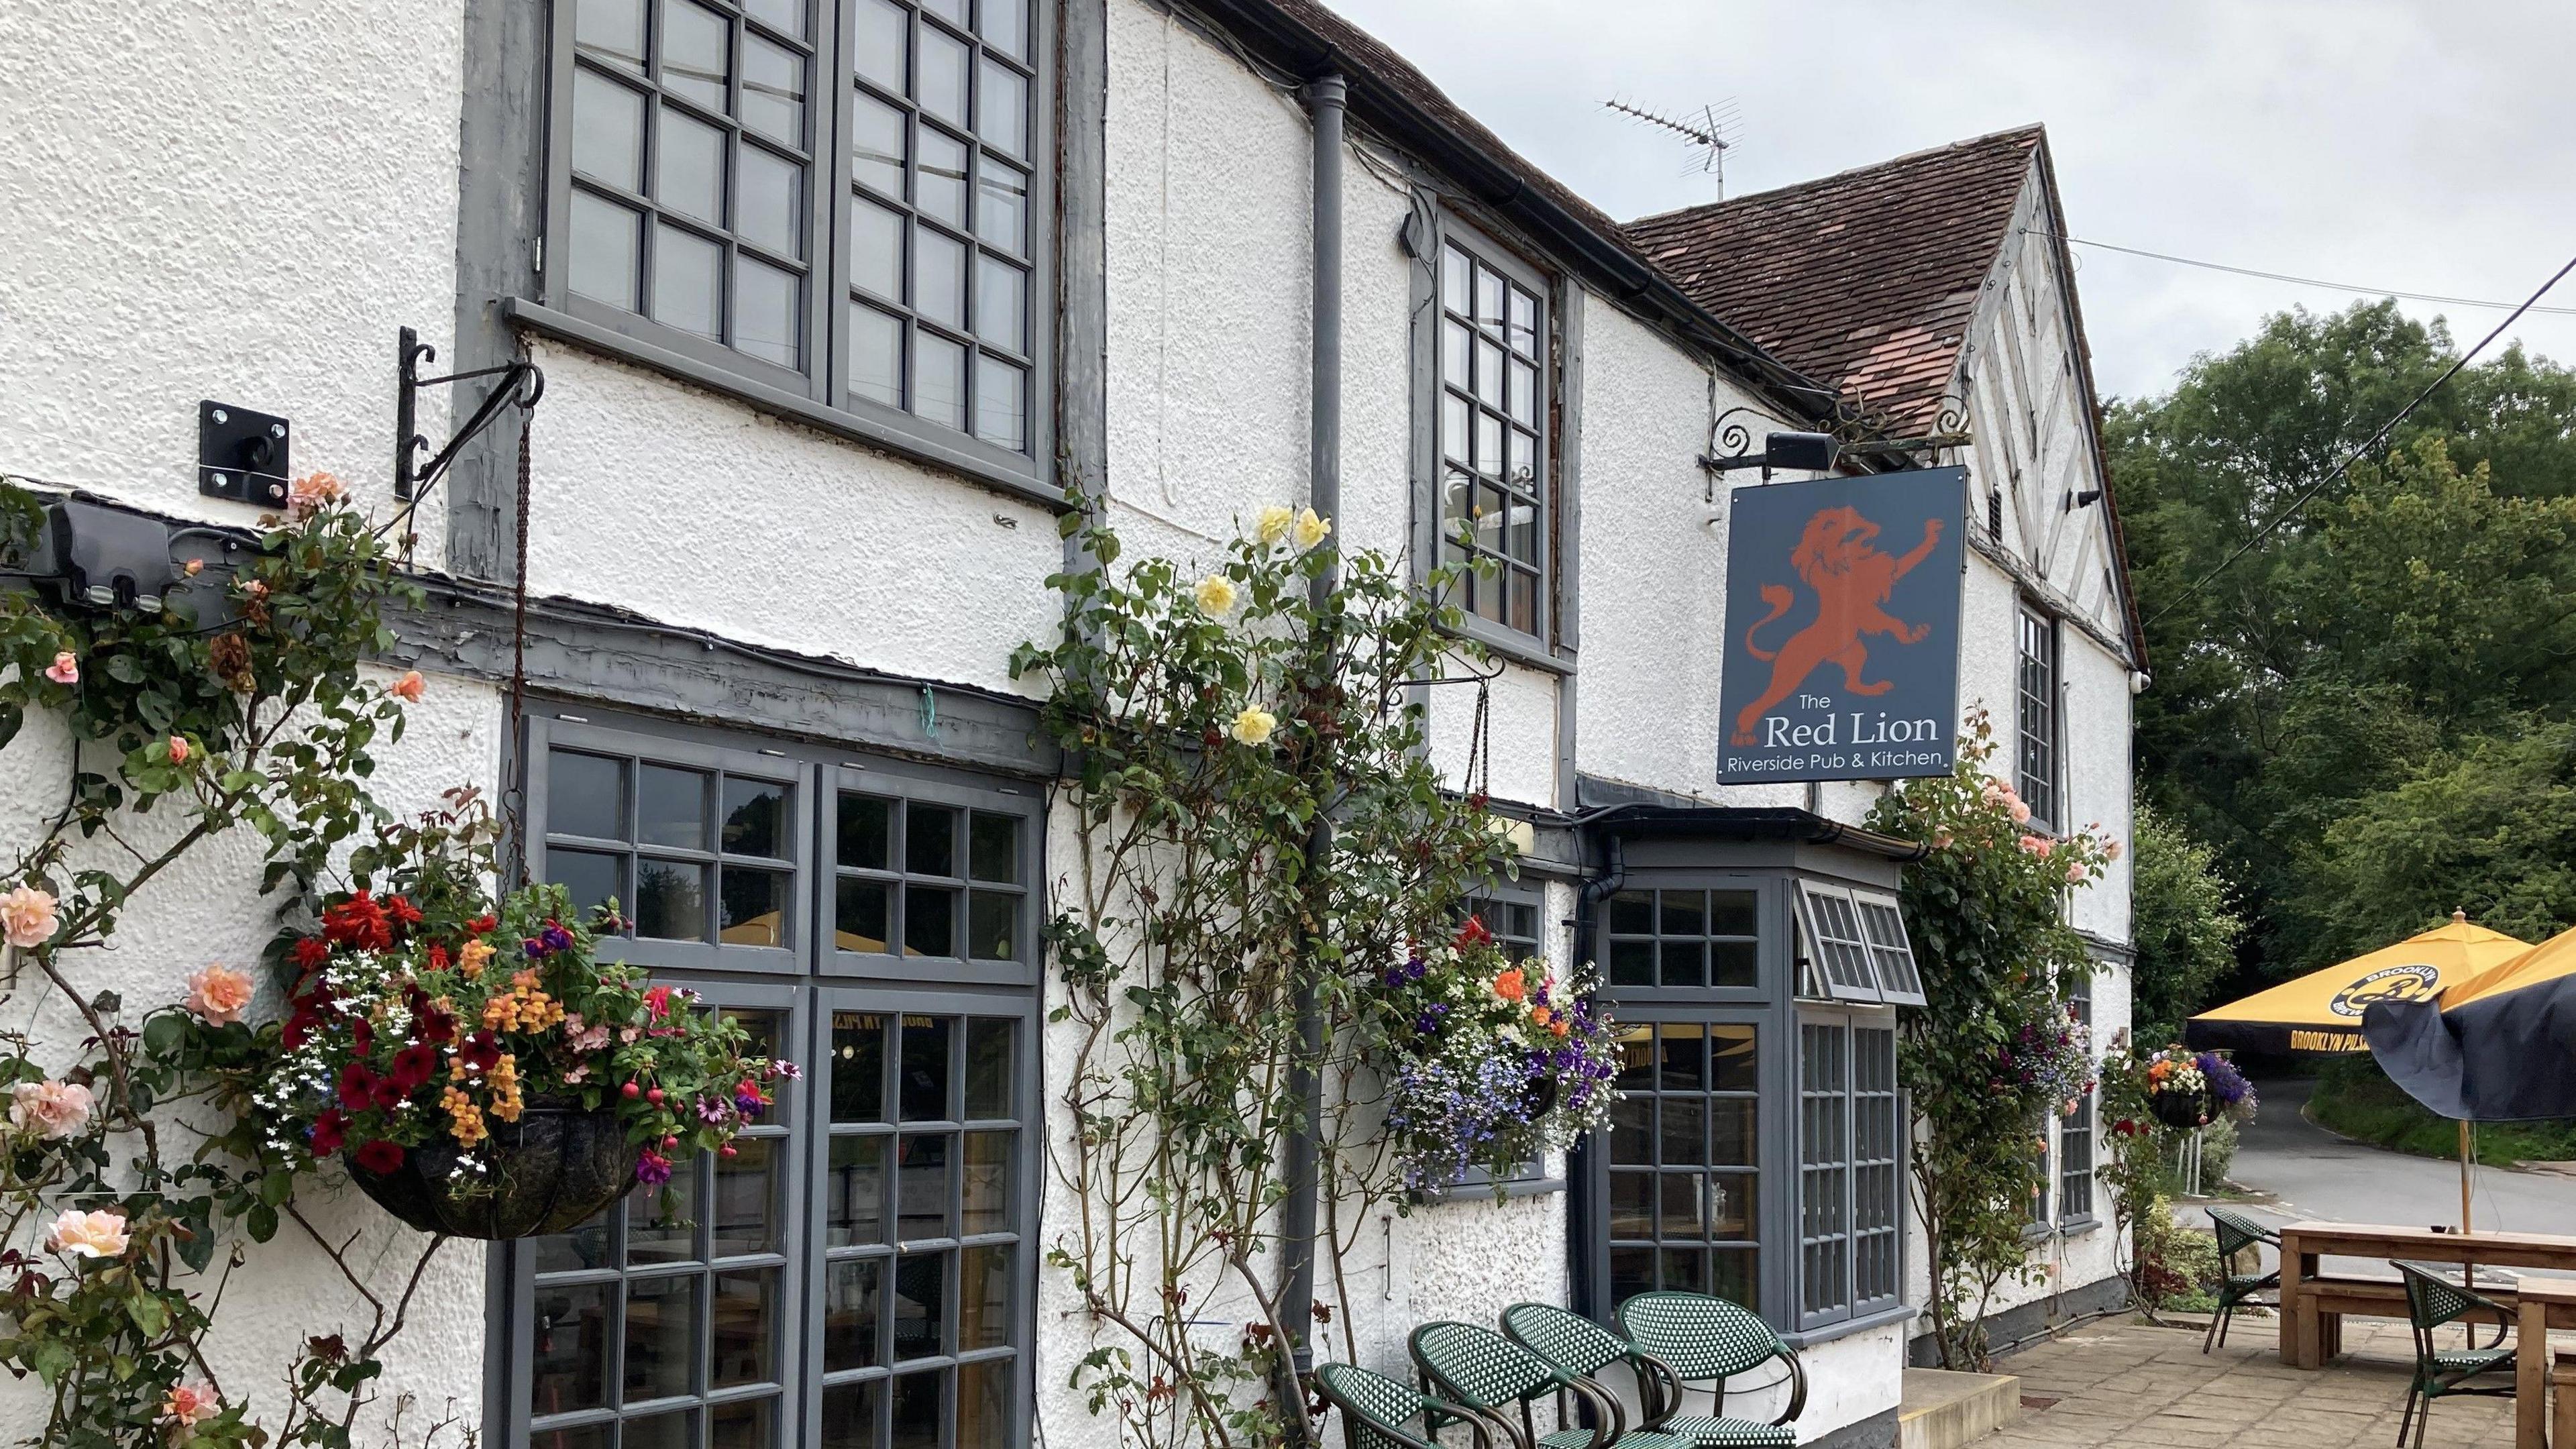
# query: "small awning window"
{"type": "Point", "coordinates": [1856, 945]}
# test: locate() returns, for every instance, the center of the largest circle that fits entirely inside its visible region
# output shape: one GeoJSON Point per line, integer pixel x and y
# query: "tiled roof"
{"type": "Point", "coordinates": [1865, 279]}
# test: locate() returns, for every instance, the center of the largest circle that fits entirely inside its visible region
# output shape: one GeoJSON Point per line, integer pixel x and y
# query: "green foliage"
{"type": "Point", "coordinates": [2354, 1097]}
{"type": "Point", "coordinates": [2413, 621]}
{"type": "Point", "coordinates": [2181, 922]}
{"type": "Point", "coordinates": [1984, 909]}
{"type": "Point", "coordinates": [245, 708]}
{"type": "Point", "coordinates": [1259, 827]}
{"type": "Point", "coordinates": [2175, 1268]}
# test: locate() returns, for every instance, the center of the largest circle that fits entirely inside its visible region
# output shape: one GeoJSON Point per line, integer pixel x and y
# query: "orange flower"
{"type": "Point", "coordinates": [1510, 985]}
{"type": "Point", "coordinates": [470, 959]}
{"type": "Point", "coordinates": [1540, 1015]}
{"type": "Point", "coordinates": [1561, 1027]}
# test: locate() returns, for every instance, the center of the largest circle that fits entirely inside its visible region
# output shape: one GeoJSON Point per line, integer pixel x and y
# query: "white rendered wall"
{"type": "Point", "coordinates": [209, 910]}
{"type": "Point", "coordinates": [236, 203]}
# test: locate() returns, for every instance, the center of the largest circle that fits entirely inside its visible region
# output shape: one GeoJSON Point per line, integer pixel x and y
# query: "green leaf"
{"type": "Point", "coordinates": [261, 1221]}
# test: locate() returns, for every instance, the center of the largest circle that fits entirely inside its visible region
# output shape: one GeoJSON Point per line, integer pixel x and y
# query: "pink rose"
{"type": "Point", "coordinates": [2020, 813]}
{"type": "Point", "coordinates": [89, 1235]}
{"type": "Point", "coordinates": [190, 1405]}
{"type": "Point", "coordinates": [27, 916]}
{"type": "Point", "coordinates": [2044, 848]}
{"type": "Point", "coordinates": [218, 994]}
{"type": "Point", "coordinates": [51, 1110]}
{"type": "Point", "coordinates": [65, 668]}
{"type": "Point", "coordinates": [178, 750]}
{"type": "Point", "coordinates": [2075, 872]}
{"type": "Point", "coordinates": [2112, 850]}
{"type": "Point", "coordinates": [1941, 838]}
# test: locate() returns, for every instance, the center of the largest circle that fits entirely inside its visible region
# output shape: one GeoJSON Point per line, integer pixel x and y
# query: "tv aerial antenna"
{"type": "Point", "coordinates": [1711, 132]}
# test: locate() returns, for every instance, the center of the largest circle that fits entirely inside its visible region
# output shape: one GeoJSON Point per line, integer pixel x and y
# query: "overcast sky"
{"type": "Point", "coordinates": [2417, 145]}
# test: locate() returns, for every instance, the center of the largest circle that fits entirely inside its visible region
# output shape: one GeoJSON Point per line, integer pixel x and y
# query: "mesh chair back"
{"type": "Point", "coordinates": [2433, 1300]}
{"type": "Point", "coordinates": [1700, 1336]}
{"type": "Point", "coordinates": [1568, 1340]}
{"type": "Point", "coordinates": [1375, 1408]}
{"type": "Point", "coordinates": [1479, 1367]}
{"type": "Point", "coordinates": [2237, 1232]}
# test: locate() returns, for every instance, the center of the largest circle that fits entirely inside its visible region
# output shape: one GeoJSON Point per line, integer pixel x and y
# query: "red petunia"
{"type": "Point", "coordinates": [358, 921]}
{"type": "Point", "coordinates": [362, 1034]}
{"type": "Point", "coordinates": [378, 1155]}
{"type": "Point", "coordinates": [437, 1026]}
{"type": "Point", "coordinates": [357, 1087]}
{"type": "Point", "coordinates": [414, 1065]}
{"type": "Point", "coordinates": [330, 1129]}
{"type": "Point", "coordinates": [299, 1027]}
{"type": "Point", "coordinates": [386, 1094]}
{"type": "Point", "coordinates": [480, 1051]}
{"type": "Point", "coordinates": [311, 952]}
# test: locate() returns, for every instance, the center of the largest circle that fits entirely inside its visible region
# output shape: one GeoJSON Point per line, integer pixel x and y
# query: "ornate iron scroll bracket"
{"type": "Point", "coordinates": [521, 382]}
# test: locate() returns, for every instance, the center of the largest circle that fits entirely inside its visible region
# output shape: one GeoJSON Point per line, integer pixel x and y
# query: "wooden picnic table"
{"type": "Point", "coordinates": [2311, 1323]}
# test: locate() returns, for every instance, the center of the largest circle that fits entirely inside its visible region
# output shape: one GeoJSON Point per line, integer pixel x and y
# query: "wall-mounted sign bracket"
{"type": "Point", "coordinates": [521, 382]}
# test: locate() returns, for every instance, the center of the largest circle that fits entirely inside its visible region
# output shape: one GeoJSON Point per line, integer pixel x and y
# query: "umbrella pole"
{"type": "Point", "coordinates": [2465, 1148]}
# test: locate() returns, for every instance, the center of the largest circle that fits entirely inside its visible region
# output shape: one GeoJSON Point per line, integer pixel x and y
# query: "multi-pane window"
{"type": "Point", "coordinates": [1493, 421]}
{"type": "Point", "coordinates": [693, 164]}
{"type": "Point", "coordinates": [922, 1244]}
{"type": "Point", "coordinates": [2036, 754]}
{"type": "Point", "coordinates": [662, 1323]}
{"type": "Point", "coordinates": [856, 1274]}
{"type": "Point", "coordinates": [699, 849]}
{"type": "Point", "coordinates": [842, 201]}
{"type": "Point", "coordinates": [1684, 1162]}
{"type": "Point", "coordinates": [943, 117]}
{"type": "Point", "coordinates": [1849, 1257]}
{"type": "Point", "coordinates": [1684, 938]}
{"type": "Point", "coordinates": [923, 876]}
{"type": "Point", "coordinates": [2075, 1130]}
{"type": "Point", "coordinates": [1857, 947]}
{"type": "Point", "coordinates": [1513, 925]}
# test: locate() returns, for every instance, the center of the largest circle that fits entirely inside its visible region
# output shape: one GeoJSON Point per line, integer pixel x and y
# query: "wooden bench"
{"type": "Point", "coordinates": [2313, 1304]}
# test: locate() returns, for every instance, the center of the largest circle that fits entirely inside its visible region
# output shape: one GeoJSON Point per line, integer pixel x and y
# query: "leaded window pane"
{"type": "Point", "coordinates": [716, 98]}
{"type": "Point", "coordinates": [1690, 939]}
{"type": "Point", "coordinates": [927, 879]}
{"type": "Point", "coordinates": [1492, 404]}
{"type": "Point", "coordinates": [1684, 1161]}
{"type": "Point", "coordinates": [2075, 1132]}
{"type": "Point", "coordinates": [634, 833]}
{"type": "Point", "coordinates": [2036, 754]}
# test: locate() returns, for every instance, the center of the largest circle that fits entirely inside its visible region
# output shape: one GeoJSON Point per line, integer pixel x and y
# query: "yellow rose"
{"type": "Point", "coordinates": [1253, 726]}
{"type": "Point", "coordinates": [1311, 530]}
{"type": "Point", "coordinates": [1215, 595]}
{"type": "Point", "coordinates": [1272, 523]}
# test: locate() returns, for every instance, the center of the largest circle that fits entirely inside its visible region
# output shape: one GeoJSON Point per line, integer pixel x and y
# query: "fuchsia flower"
{"type": "Point", "coordinates": [652, 1169]}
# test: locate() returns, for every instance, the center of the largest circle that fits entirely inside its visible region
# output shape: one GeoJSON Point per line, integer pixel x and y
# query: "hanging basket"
{"type": "Point", "coordinates": [1540, 1099]}
{"type": "Point", "coordinates": [544, 1173]}
{"type": "Point", "coordinates": [2183, 1111]}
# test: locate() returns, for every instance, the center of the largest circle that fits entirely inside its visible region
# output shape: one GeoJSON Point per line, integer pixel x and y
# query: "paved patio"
{"type": "Point", "coordinates": [2129, 1383]}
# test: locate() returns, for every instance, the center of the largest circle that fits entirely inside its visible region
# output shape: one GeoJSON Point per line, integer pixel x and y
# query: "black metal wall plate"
{"type": "Point", "coordinates": [242, 455]}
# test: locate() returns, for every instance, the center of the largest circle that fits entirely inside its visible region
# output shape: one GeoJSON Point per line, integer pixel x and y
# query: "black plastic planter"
{"type": "Point", "coordinates": [549, 1170]}
{"type": "Point", "coordinates": [2182, 1110]}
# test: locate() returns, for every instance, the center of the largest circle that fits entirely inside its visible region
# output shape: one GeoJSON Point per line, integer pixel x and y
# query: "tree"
{"type": "Point", "coordinates": [2182, 924]}
{"type": "Point", "coordinates": [2414, 614]}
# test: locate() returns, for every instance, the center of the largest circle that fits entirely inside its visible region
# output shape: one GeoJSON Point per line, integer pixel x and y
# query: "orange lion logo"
{"type": "Point", "coordinates": [1851, 580]}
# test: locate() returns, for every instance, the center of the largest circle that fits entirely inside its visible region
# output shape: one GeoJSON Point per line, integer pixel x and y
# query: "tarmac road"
{"type": "Point", "coordinates": [2306, 1172]}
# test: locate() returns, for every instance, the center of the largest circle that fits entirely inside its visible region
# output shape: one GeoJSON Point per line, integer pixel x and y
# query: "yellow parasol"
{"type": "Point", "coordinates": [2321, 1011]}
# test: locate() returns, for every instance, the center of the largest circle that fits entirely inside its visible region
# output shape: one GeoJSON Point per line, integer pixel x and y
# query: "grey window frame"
{"type": "Point", "coordinates": [1846, 1024]}
{"type": "Point", "coordinates": [2039, 655]}
{"type": "Point", "coordinates": [2076, 1189]}
{"type": "Point", "coordinates": [806, 991]}
{"type": "Point", "coordinates": [898, 780]}
{"type": "Point", "coordinates": [819, 391]}
{"type": "Point", "coordinates": [1839, 960]}
{"type": "Point", "coordinates": [1537, 646]}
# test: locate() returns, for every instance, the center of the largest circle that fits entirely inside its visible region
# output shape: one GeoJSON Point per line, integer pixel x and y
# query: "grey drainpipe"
{"type": "Point", "coordinates": [1326, 95]}
{"type": "Point", "coordinates": [1578, 1228]}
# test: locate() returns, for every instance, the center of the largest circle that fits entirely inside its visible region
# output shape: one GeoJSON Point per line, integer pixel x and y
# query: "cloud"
{"type": "Point", "coordinates": [2411, 145]}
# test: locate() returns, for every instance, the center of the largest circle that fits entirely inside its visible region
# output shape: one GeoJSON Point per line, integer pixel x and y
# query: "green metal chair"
{"type": "Point", "coordinates": [1580, 1346]}
{"type": "Point", "coordinates": [2238, 1233]}
{"type": "Point", "coordinates": [1483, 1370]}
{"type": "Point", "coordinates": [1706, 1341]}
{"type": "Point", "coordinates": [1376, 1411]}
{"type": "Point", "coordinates": [2433, 1301]}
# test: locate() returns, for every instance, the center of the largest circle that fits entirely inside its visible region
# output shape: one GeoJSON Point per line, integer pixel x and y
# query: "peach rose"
{"type": "Point", "coordinates": [89, 1235]}
{"type": "Point", "coordinates": [27, 916]}
{"type": "Point", "coordinates": [2075, 872]}
{"type": "Point", "coordinates": [51, 1110]}
{"type": "Point", "coordinates": [314, 492]}
{"type": "Point", "coordinates": [2111, 851]}
{"type": "Point", "coordinates": [408, 688]}
{"type": "Point", "coordinates": [218, 994]}
{"type": "Point", "coordinates": [190, 1405]}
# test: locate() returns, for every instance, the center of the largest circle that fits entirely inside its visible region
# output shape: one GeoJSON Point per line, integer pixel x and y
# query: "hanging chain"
{"type": "Point", "coordinates": [514, 812]}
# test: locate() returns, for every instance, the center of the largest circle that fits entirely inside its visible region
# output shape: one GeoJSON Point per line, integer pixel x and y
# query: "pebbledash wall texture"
{"type": "Point", "coordinates": [243, 207]}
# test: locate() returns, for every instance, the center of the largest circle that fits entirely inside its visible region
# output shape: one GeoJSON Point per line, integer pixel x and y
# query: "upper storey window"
{"type": "Point", "coordinates": [1495, 411]}
{"type": "Point", "coordinates": [843, 203]}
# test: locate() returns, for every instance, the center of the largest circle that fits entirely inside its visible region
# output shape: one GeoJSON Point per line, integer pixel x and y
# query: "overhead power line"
{"type": "Point", "coordinates": [2300, 281]}
{"type": "Point", "coordinates": [2356, 455]}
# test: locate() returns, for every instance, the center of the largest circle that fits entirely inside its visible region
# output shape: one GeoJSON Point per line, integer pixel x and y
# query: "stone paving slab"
{"type": "Point", "coordinates": [2132, 1383]}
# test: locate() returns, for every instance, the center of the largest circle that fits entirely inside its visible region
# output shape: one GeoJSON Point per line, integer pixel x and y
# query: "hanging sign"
{"type": "Point", "coordinates": [1841, 658]}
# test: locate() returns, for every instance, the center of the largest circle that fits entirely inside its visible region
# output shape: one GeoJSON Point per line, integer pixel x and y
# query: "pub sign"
{"type": "Point", "coordinates": [1841, 656]}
